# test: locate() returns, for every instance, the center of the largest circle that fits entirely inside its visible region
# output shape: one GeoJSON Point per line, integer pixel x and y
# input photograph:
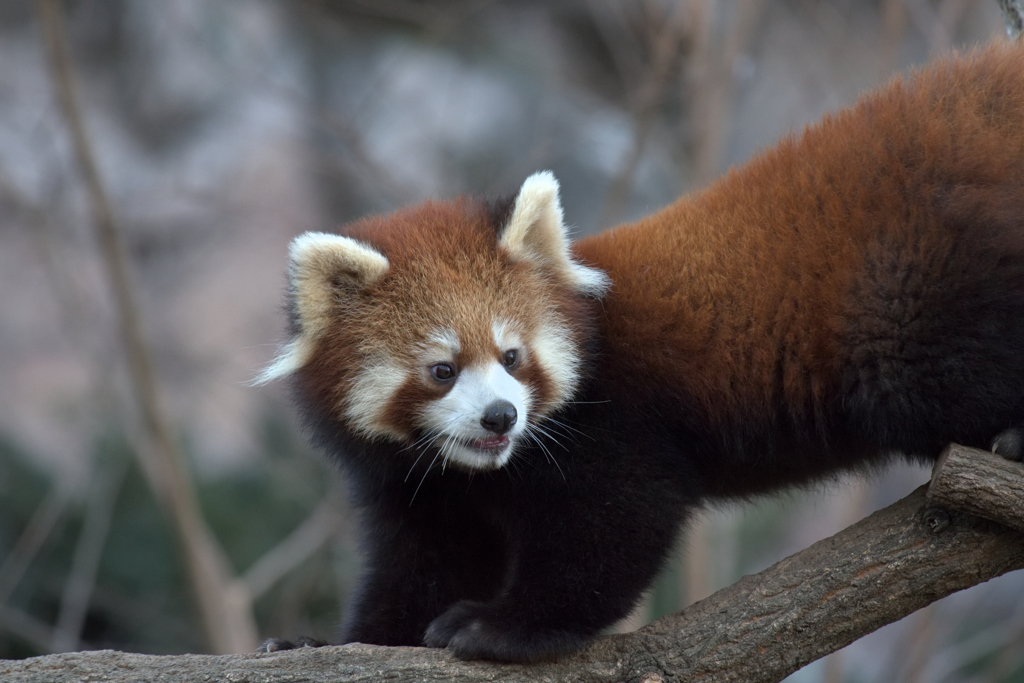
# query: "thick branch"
{"type": "Point", "coordinates": [813, 603]}
{"type": "Point", "coordinates": [761, 629]}
{"type": "Point", "coordinates": [980, 483]}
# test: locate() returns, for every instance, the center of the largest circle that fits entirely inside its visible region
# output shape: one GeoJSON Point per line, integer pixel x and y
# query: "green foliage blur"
{"type": "Point", "coordinates": [141, 602]}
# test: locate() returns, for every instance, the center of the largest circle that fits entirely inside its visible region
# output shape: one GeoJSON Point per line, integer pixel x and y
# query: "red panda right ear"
{"type": "Point", "coordinates": [535, 232]}
{"type": "Point", "coordinates": [320, 264]}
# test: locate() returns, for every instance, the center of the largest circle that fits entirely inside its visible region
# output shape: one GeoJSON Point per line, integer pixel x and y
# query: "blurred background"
{"type": "Point", "coordinates": [155, 161]}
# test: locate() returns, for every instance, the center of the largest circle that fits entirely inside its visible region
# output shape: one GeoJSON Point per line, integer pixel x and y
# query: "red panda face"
{"type": "Point", "coordinates": [478, 405]}
{"type": "Point", "coordinates": [438, 329]}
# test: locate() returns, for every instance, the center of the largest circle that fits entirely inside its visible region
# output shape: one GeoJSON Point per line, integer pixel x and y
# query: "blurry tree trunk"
{"type": "Point", "coordinates": [712, 82]}
{"type": "Point", "coordinates": [666, 50]}
{"type": "Point", "coordinates": [759, 630]}
{"type": "Point", "coordinates": [222, 600]}
{"type": "Point", "coordinates": [697, 560]}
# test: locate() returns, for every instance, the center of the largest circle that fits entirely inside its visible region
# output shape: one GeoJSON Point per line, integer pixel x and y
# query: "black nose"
{"type": "Point", "coordinates": [499, 417]}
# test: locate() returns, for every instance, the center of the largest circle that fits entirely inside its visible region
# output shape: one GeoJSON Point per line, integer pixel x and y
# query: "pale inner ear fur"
{"type": "Point", "coordinates": [535, 232]}
{"type": "Point", "coordinates": [320, 263]}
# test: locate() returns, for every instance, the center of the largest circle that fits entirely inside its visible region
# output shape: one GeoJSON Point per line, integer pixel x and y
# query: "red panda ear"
{"type": "Point", "coordinates": [320, 265]}
{"type": "Point", "coordinates": [535, 232]}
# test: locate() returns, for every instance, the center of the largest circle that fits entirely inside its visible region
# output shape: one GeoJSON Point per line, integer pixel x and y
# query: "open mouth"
{"type": "Point", "coordinates": [490, 443]}
{"type": "Point", "coordinates": [485, 453]}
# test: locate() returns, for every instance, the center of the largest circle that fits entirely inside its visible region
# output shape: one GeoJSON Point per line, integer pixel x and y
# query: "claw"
{"type": "Point", "coordinates": [1009, 444]}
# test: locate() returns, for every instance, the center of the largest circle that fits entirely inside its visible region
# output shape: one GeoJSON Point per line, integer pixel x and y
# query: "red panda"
{"type": "Point", "coordinates": [526, 423]}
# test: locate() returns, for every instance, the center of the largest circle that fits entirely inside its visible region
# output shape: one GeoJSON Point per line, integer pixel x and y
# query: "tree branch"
{"type": "Point", "coordinates": [980, 483]}
{"type": "Point", "coordinates": [760, 629]}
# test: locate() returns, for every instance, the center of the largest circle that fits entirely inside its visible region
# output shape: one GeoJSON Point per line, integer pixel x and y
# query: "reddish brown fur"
{"type": "Point", "coordinates": [855, 292]}
{"type": "Point", "coordinates": [710, 292]}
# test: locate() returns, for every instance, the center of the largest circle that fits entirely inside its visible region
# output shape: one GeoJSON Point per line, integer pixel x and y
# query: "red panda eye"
{"type": "Point", "coordinates": [442, 372]}
{"type": "Point", "coordinates": [510, 359]}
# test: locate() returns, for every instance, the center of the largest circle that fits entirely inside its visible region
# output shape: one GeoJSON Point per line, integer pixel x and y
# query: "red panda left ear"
{"type": "Point", "coordinates": [324, 269]}
{"type": "Point", "coordinates": [535, 232]}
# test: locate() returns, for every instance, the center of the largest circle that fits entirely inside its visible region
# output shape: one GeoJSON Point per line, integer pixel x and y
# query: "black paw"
{"type": "Point", "coordinates": [1010, 445]}
{"type": "Point", "coordinates": [278, 645]}
{"type": "Point", "coordinates": [473, 630]}
{"type": "Point", "coordinates": [459, 616]}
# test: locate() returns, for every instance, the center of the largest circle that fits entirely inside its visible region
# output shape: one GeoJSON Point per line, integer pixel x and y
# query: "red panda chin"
{"type": "Point", "coordinates": [484, 454]}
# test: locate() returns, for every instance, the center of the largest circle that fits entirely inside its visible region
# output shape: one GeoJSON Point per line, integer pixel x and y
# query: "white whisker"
{"type": "Point", "coordinates": [564, 425]}
{"type": "Point", "coordinates": [414, 463]}
{"type": "Point", "coordinates": [547, 433]}
{"type": "Point", "coordinates": [547, 453]}
{"type": "Point", "coordinates": [422, 479]}
{"type": "Point", "coordinates": [423, 443]}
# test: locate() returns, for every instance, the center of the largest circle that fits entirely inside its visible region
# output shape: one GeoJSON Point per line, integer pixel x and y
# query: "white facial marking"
{"type": "Point", "coordinates": [290, 358]}
{"type": "Point", "coordinates": [506, 335]}
{"type": "Point", "coordinates": [456, 417]}
{"type": "Point", "coordinates": [442, 344]}
{"type": "Point", "coordinates": [371, 391]}
{"type": "Point", "coordinates": [554, 349]}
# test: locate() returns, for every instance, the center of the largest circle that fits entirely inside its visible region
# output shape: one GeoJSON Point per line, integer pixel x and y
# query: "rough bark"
{"type": "Point", "coordinates": [981, 483]}
{"type": "Point", "coordinates": [760, 629]}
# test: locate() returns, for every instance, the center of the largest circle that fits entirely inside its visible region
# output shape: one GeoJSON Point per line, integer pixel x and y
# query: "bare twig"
{"type": "Point", "coordinates": [27, 627]}
{"type": "Point", "coordinates": [223, 602]}
{"type": "Point", "coordinates": [32, 538]}
{"type": "Point", "coordinates": [88, 552]}
{"type": "Point", "coordinates": [611, 21]}
{"type": "Point", "coordinates": [894, 26]}
{"type": "Point", "coordinates": [713, 85]}
{"type": "Point", "coordinates": [305, 540]}
{"type": "Point", "coordinates": [937, 24]}
{"type": "Point", "coordinates": [666, 49]}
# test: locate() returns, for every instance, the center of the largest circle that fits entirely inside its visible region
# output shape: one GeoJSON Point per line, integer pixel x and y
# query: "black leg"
{"type": "Point", "coordinates": [580, 562]}
{"type": "Point", "coordinates": [421, 560]}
